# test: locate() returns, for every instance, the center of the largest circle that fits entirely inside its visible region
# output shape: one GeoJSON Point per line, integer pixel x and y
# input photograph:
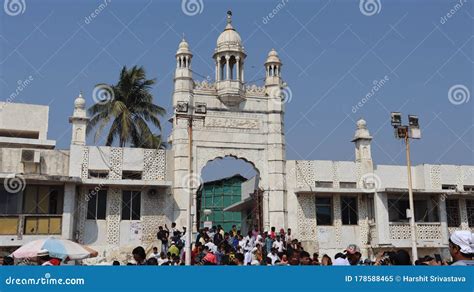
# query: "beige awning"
{"type": "Point", "coordinates": [243, 205]}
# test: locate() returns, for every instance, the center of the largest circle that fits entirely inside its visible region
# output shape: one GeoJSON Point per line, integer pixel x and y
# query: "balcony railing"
{"type": "Point", "coordinates": [230, 91]}
{"type": "Point", "coordinates": [424, 231]}
{"type": "Point", "coordinates": [30, 224]}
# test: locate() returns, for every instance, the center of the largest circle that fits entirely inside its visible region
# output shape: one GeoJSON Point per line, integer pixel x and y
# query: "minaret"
{"type": "Point", "coordinates": [273, 69]}
{"type": "Point", "coordinates": [179, 139]}
{"type": "Point", "coordinates": [363, 154]}
{"type": "Point", "coordinates": [79, 121]}
{"type": "Point", "coordinates": [362, 141]}
{"type": "Point", "coordinates": [276, 141]}
{"type": "Point", "coordinates": [183, 77]}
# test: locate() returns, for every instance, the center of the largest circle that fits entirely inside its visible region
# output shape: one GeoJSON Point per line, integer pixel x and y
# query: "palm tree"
{"type": "Point", "coordinates": [127, 111]}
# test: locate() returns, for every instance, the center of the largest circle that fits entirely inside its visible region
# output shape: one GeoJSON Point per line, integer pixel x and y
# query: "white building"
{"type": "Point", "coordinates": [114, 198]}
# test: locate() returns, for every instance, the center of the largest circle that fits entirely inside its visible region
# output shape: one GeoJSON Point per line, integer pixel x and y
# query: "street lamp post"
{"type": "Point", "coordinates": [190, 113]}
{"type": "Point", "coordinates": [406, 132]}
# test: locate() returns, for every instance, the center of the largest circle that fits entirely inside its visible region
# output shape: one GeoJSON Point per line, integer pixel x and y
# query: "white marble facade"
{"type": "Point", "coordinates": [240, 120]}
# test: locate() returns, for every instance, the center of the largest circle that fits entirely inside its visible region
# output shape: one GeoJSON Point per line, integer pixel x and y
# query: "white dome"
{"type": "Point", "coordinates": [80, 102]}
{"type": "Point", "coordinates": [361, 132]}
{"type": "Point", "coordinates": [273, 57]}
{"type": "Point", "coordinates": [229, 36]}
{"type": "Point", "coordinates": [183, 48]}
{"type": "Point", "coordinates": [361, 124]}
{"type": "Point", "coordinates": [229, 39]}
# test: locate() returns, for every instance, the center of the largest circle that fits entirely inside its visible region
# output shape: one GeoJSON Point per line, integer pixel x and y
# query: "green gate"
{"type": "Point", "coordinates": [216, 196]}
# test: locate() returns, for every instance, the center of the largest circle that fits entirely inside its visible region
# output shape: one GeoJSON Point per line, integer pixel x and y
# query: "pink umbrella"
{"type": "Point", "coordinates": [57, 248]}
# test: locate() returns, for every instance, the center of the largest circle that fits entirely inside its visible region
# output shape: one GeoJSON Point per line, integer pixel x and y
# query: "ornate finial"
{"type": "Point", "coordinates": [79, 102]}
{"type": "Point", "coordinates": [183, 37]}
{"type": "Point", "coordinates": [229, 16]}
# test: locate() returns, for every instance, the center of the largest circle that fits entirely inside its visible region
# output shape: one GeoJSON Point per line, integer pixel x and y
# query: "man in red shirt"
{"type": "Point", "coordinates": [209, 257]}
{"type": "Point", "coordinates": [273, 233]}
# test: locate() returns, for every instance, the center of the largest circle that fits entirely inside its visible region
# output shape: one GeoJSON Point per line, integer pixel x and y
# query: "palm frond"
{"type": "Point", "coordinates": [131, 111]}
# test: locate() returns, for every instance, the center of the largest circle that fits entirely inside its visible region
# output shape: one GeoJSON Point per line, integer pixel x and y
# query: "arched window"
{"type": "Point", "coordinates": [223, 69]}
{"type": "Point", "coordinates": [233, 68]}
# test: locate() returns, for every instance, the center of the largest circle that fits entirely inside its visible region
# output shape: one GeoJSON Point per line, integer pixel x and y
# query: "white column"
{"type": "Point", "coordinates": [237, 71]}
{"type": "Point", "coordinates": [443, 219]}
{"type": "Point", "coordinates": [217, 70]}
{"type": "Point", "coordinates": [381, 218]}
{"type": "Point", "coordinates": [227, 69]}
{"type": "Point", "coordinates": [69, 203]}
{"type": "Point", "coordinates": [463, 214]}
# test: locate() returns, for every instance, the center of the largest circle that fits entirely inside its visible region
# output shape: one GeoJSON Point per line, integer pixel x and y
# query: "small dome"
{"type": "Point", "coordinates": [361, 124]}
{"type": "Point", "coordinates": [80, 102]}
{"type": "Point", "coordinates": [273, 57]}
{"type": "Point", "coordinates": [229, 36]}
{"type": "Point", "coordinates": [229, 39]}
{"type": "Point", "coordinates": [361, 132]}
{"type": "Point", "coordinates": [183, 48]}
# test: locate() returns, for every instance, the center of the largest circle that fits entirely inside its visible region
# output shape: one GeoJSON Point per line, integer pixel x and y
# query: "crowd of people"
{"type": "Point", "coordinates": [215, 246]}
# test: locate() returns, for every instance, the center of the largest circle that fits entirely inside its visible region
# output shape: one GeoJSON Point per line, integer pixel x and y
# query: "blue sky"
{"type": "Point", "coordinates": [332, 54]}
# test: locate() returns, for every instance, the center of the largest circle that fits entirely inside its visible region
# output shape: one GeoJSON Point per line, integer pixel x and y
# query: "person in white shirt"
{"type": "Point", "coordinates": [273, 256]}
{"type": "Point", "coordinates": [211, 232]}
{"type": "Point", "coordinates": [278, 244]}
{"type": "Point", "coordinates": [162, 259]}
{"type": "Point", "coordinates": [155, 253]}
{"type": "Point", "coordinates": [173, 228]}
{"type": "Point", "coordinates": [212, 247]}
{"type": "Point", "coordinates": [242, 242]}
{"type": "Point", "coordinates": [340, 260]}
{"type": "Point", "coordinates": [250, 239]}
{"type": "Point", "coordinates": [248, 257]}
{"type": "Point", "coordinates": [289, 237]}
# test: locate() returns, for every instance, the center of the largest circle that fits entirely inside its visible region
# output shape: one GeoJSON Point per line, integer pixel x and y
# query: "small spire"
{"type": "Point", "coordinates": [80, 93]}
{"type": "Point", "coordinates": [229, 20]}
{"type": "Point", "coordinates": [183, 38]}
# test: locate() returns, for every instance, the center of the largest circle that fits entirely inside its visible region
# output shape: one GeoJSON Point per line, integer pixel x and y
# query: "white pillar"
{"type": "Point", "coordinates": [219, 68]}
{"type": "Point", "coordinates": [237, 70]}
{"type": "Point", "coordinates": [381, 218]}
{"type": "Point", "coordinates": [227, 69]}
{"type": "Point", "coordinates": [443, 219]}
{"type": "Point", "coordinates": [463, 214]}
{"type": "Point", "coordinates": [69, 203]}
